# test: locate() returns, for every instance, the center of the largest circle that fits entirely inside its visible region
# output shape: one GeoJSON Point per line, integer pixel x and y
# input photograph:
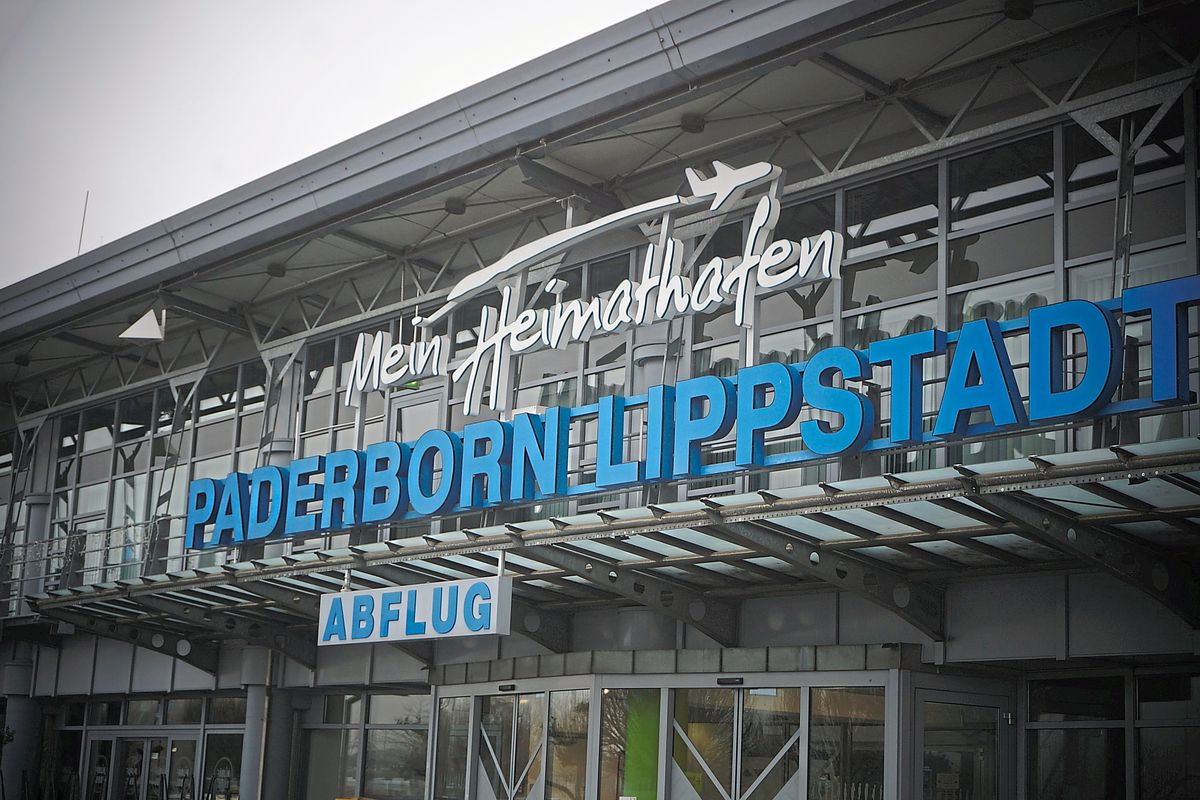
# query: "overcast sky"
{"type": "Point", "coordinates": [153, 106]}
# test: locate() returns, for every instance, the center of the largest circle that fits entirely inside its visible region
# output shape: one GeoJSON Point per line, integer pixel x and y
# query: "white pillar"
{"type": "Point", "coordinates": [256, 663]}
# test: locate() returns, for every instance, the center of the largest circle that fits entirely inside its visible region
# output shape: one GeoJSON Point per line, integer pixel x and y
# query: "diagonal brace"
{"type": "Point", "coordinates": [920, 604]}
{"type": "Point", "coordinates": [716, 618]}
{"type": "Point", "coordinates": [1166, 578]}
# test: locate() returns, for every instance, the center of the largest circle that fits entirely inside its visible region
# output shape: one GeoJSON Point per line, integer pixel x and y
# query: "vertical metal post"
{"type": "Point", "coordinates": [664, 742]}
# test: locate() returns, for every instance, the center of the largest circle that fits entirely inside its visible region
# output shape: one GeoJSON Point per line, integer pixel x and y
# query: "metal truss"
{"type": "Point", "coordinates": [717, 619]}
{"type": "Point", "coordinates": [298, 647]}
{"type": "Point", "coordinates": [1160, 575]}
{"type": "Point", "coordinates": [200, 654]}
{"type": "Point", "coordinates": [919, 604]}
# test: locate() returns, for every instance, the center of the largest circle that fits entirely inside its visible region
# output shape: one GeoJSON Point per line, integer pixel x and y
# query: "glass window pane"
{"type": "Point", "coordinates": [398, 709]}
{"type": "Point", "coordinates": [603, 276]}
{"type": "Point", "coordinates": [217, 395]}
{"type": "Point", "coordinates": [1079, 762]}
{"type": "Point", "coordinates": [136, 415]}
{"type": "Point", "coordinates": [794, 305]}
{"type": "Point", "coordinates": [394, 764]}
{"type": "Point", "coordinates": [142, 712]}
{"type": "Point", "coordinates": [226, 710]}
{"type": "Point", "coordinates": [795, 346]}
{"type": "Point", "coordinates": [531, 710]}
{"type": "Point", "coordinates": [875, 326]}
{"type": "Point", "coordinates": [978, 256]}
{"type": "Point", "coordinates": [845, 750]}
{"type": "Point", "coordinates": [890, 278]}
{"type": "Point", "coordinates": [892, 212]}
{"type": "Point", "coordinates": [222, 766]}
{"type": "Point", "coordinates": [1169, 763]}
{"type": "Point", "coordinates": [417, 419]}
{"type": "Point", "coordinates": [98, 427]}
{"type": "Point", "coordinates": [184, 711]}
{"type": "Point", "coordinates": [1016, 178]}
{"type": "Point", "coordinates": [1157, 214]}
{"type": "Point", "coordinates": [343, 709]}
{"type": "Point", "coordinates": [450, 753]}
{"type": "Point", "coordinates": [549, 363]}
{"type": "Point", "coordinates": [566, 766]}
{"type": "Point", "coordinates": [1095, 281]}
{"type": "Point", "coordinates": [104, 712]}
{"type": "Point", "coordinates": [961, 751]}
{"type": "Point", "coordinates": [1076, 699]}
{"type": "Point", "coordinates": [703, 742]}
{"type": "Point", "coordinates": [1092, 168]}
{"type": "Point", "coordinates": [332, 764]}
{"type": "Point", "coordinates": [629, 743]}
{"type": "Point", "coordinates": [1169, 697]}
{"type": "Point", "coordinates": [770, 724]}
{"type": "Point", "coordinates": [806, 219]}
{"type": "Point", "coordinates": [318, 368]}
{"type": "Point", "coordinates": [1007, 301]}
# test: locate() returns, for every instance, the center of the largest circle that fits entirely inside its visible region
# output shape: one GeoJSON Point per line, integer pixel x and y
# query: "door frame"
{"type": "Point", "coordinates": [1006, 735]}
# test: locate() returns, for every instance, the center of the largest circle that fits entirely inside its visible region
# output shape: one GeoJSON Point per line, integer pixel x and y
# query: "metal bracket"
{"type": "Point", "coordinates": [1163, 577]}
{"type": "Point", "coordinates": [202, 656]}
{"type": "Point", "coordinates": [922, 605]}
{"type": "Point", "coordinates": [216, 619]}
{"type": "Point", "coordinates": [717, 619]}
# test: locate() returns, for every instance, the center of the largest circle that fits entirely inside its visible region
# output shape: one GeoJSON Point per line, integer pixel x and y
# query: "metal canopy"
{"type": "Point", "coordinates": [1141, 527]}
{"type": "Point", "coordinates": [915, 81]}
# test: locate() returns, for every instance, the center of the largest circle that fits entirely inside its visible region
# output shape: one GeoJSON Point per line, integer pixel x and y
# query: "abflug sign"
{"type": "Point", "coordinates": [492, 463]}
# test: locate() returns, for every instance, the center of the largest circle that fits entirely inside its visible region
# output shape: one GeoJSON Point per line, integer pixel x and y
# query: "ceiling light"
{"type": "Point", "coordinates": [692, 123]}
{"type": "Point", "coordinates": [1018, 9]}
{"type": "Point", "coordinates": [456, 206]}
{"type": "Point", "coordinates": [21, 359]}
{"type": "Point", "coordinates": [276, 270]}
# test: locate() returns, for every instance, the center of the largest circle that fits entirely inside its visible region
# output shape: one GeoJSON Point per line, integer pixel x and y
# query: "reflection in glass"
{"type": "Point", "coordinates": [1169, 763]}
{"type": "Point", "coordinates": [770, 757]}
{"type": "Point", "coordinates": [222, 766]}
{"type": "Point", "coordinates": [1002, 303]}
{"type": "Point", "coordinates": [795, 346]}
{"type": "Point", "coordinates": [845, 749]}
{"type": "Point", "coordinates": [629, 744]}
{"type": "Point", "coordinates": [960, 758]}
{"type": "Point", "coordinates": [1077, 762]}
{"type": "Point", "coordinates": [723, 360]}
{"type": "Point", "coordinates": [978, 256]}
{"type": "Point", "coordinates": [226, 710]}
{"type": "Point", "coordinates": [332, 763]}
{"type": "Point", "coordinates": [1157, 214]}
{"type": "Point", "coordinates": [566, 765]}
{"type": "Point", "coordinates": [1175, 696]}
{"type": "Point", "coordinates": [394, 764]}
{"type": "Point", "coordinates": [1076, 699]}
{"type": "Point", "coordinates": [1015, 178]}
{"type": "Point", "coordinates": [892, 212]}
{"type": "Point", "coordinates": [100, 770]}
{"type": "Point", "coordinates": [1092, 168]}
{"type": "Point", "coordinates": [398, 709]}
{"type": "Point", "coordinates": [450, 750]}
{"type": "Point", "coordinates": [512, 728]}
{"type": "Point", "coordinates": [131, 761]}
{"type": "Point", "coordinates": [703, 742]}
{"type": "Point", "coordinates": [889, 278]}
{"type": "Point", "coordinates": [181, 781]}
{"type": "Point", "coordinates": [142, 712]}
{"type": "Point", "coordinates": [1094, 281]}
{"type": "Point", "coordinates": [875, 326]}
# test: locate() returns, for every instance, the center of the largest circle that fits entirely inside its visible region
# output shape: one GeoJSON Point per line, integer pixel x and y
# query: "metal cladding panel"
{"type": "Point", "coordinates": [151, 671]}
{"type": "Point", "coordinates": [390, 665]}
{"type": "Point", "coordinates": [229, 668]}
{"type": "Point", "coordinates": [622, 629]}
{"type": "Point", "coordinates": [189, 678]}
{"type": "Point", "coordinates": [789, 620]}
{"type": "Point", "coordinates": [1004, 618]}
{"type": "Point", "coordinates": [114, 667]}
{"type": "Point", "coordinates": [79, 652]}
{"type": "Point", "coordinates": [515, 645]}
{"type": "Point", "coordinates": [296, 674]}
{"type": "Point", "coordinates": [696, 639]}
{"type": "Point", "coordinates": [347, 664]}
{"type": "Point", "coordinates": [46, 676]}
{"type": "Point", "coordinates": [464, 649]}
{"type": "Point", "coordinates": [1110, 618]}
{"type": "Point", "coordinates": [862, 622]}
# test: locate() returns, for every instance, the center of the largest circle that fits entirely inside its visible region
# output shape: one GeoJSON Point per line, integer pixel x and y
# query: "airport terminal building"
{"type": "Point", "coordinates": [757, 400]}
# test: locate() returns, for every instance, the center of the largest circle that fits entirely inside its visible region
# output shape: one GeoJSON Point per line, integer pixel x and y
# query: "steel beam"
{"type": "Point", "coordinates": [556, 184]}
{"type": "Point", "coordinates": [1162, 576]}
{"type": "Point", "coordinates": [921, 605]}
{"type": "Point", "coordinates": [220, 620]}
{"type": "Point", "coordinates": [207, 314]}
{"type": "Point", "coordinates": [201, 655]}
{"type": "Point", "coordinates": [717, 619]}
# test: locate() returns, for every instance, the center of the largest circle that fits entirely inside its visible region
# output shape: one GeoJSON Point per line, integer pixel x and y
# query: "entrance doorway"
{"type": "Point", "coordinates": [512, 729]}
{"type": "Point", "coordinates": [963, 746]}
{"type": "Point", "coordinates": [141, 768]}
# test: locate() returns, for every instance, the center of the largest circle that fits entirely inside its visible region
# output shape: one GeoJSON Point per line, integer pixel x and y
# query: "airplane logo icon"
{"type": "Point", "coordinates": [729, 184]}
